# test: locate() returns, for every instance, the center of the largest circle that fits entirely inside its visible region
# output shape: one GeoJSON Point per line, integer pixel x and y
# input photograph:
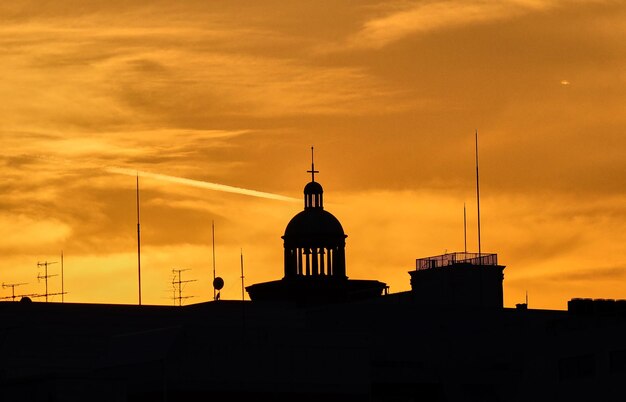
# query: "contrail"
{"type": "Point", "coordinates": [201, 184]}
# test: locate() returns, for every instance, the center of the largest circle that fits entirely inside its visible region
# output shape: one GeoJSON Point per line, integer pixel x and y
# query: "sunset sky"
{"type": "Point", "coordinates": [235, 93]}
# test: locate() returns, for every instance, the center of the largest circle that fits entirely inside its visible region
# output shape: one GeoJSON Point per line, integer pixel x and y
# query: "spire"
{"type": "Point", "coordinates": [313, 190]}
{"type": "Point", "coordinates": [312, 171]}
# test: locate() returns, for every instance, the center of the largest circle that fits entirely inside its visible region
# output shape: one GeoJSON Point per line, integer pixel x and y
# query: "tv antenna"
{"type": "Point", "coordinates": [45, 276]}
{"type": "Point", "coordinates": [12, 286]}
{"type": "Point", "coordinates": [178, 284]}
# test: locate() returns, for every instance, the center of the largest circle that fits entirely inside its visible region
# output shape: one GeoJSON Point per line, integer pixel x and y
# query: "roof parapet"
{"type": "Point", "coordinates": [449, 259]}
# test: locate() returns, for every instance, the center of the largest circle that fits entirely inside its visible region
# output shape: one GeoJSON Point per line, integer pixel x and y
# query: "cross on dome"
{"type": "Point", "coordinates": [312, 171]}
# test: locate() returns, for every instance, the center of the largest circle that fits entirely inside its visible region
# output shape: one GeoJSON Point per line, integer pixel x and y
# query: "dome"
{"type": "Point", "coordinates": [315, 223]}
{"type": "Point", "coordinates": [315, 258]}
{"type": "Point", "coordinates": [314, 240]}
{"type": "Point", "coordinates": [313, 188]}
{"type": "Point", "coordinates": [313, 196]}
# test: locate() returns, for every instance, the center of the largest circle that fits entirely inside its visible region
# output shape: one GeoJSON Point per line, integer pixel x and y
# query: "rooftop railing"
{"type": "Point", "coordinates": [448, 259]}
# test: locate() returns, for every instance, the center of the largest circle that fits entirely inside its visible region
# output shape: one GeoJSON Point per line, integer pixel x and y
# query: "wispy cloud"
{"type": "Point", "coordinates": [173, 75]}
{"type": "Point", "coordinates": [201, 184]}
{"type": "Point", "coordinates": [422, 17]}
{"type": "Point", "coordinates": [33, 232]}
{"type": "Point", "coordinates": [593, 274]}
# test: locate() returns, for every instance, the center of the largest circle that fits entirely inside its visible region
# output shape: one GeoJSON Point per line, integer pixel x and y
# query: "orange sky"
{"type": "Point", "coordinates": [235, 93]}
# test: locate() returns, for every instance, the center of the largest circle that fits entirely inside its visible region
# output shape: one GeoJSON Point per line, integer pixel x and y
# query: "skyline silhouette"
{"type": "Point", "coordinates": [316, 334]}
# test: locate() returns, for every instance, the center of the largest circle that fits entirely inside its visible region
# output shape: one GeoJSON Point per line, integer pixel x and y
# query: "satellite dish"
{"type": "Point", "coordinates": [218, 283]}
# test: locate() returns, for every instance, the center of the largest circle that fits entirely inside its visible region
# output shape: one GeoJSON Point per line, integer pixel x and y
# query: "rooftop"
{"type": "Point", "coordinates": [449, 259]}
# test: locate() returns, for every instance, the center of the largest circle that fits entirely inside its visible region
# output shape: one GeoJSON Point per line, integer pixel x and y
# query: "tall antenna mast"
{"type": "Point", "coordinates": [138, 243]}
{"type": "Point", "coordinates": [62, 279]}
{"type": "Point", "coordinates": [464, 229]}
{"type": "Point", "coordinates": [478, 198]}
{"type": "Point", "coordinates": [213, 237]}
{"type": "Point", "coordinates": [243, 298]}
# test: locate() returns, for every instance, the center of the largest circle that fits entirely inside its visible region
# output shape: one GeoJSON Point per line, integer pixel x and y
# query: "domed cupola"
{"type": "Point", "coordinates": [313, 195]}
{"type": "Point", "coordinates": [315, 259]}
{"type": "Point", "coordinates": [314, 239]}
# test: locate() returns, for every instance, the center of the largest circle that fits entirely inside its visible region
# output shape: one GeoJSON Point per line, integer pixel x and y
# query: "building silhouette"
{"type": "Point", "coordinates": [317, 335]}
{"type": "Point", "coordinates": [315, 259]}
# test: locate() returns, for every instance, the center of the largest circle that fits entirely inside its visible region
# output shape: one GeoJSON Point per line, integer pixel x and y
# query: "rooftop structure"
{"type": "Point", "coordinates": [449, 259]}
{"type": "Point", "coordinates": [315, 258]}
{"type": "Point", "coordinates": [460, 280]}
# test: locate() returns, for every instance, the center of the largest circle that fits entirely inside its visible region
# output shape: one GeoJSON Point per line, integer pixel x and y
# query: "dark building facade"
{"type": "Point", "coordinates": [460, 278]}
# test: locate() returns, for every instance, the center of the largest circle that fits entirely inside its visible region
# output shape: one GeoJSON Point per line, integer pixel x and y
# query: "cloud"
{"type": "Point", "coordinates": [164, 72]}
{"type": "Point", "coordinates": [428, 16]}
{"type": "Point", "coordinates": [592, 274]}
{"type": "Point", "coordinates": [213, 84]}
{"type": "Point", "coordinates": [201, 184]}
{"type": "Point", "coordinates": [71, 150]}
{"type": "Point", "coordinates": [33, 232]}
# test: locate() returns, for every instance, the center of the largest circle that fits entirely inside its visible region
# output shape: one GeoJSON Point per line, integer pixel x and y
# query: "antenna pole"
{"type": "Point", "coordinates": [213, 237]}
{"type": "Point", "coordinates": [478, 199]}
{"type": "Point", "coordinates": [138, 243]}
{"type": "Point", "coordinates": [62, 279]}
{"type": "Point", "coordinates": [180, 288]}
{"type": "Point", "coordinates": [464, 229]}
{"type": "Point", "coordinates": [46, 275]}
{"type": "Point", "coordinates": [243, 298]}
